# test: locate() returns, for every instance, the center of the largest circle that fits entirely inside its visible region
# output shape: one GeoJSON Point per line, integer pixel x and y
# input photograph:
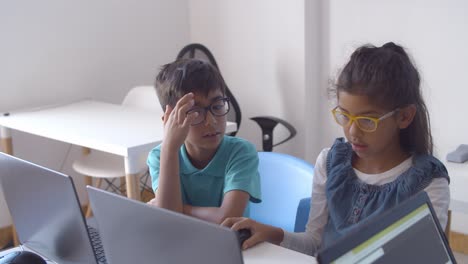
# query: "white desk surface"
{"type": "Point", "coordinates": [113, 128]}
{"type": "Point", "coordinates": [264, 253]}
{"type": "Point", "coordinates": [122, 130]}
{"type": "Point", "coordinates": [458, 173]}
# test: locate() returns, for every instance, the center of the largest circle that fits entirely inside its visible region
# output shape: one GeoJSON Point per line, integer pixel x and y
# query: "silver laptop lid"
{"type": "Point", "coordinates": [45, 211]}
{"type": "Point", "coordinates": [134, 232]}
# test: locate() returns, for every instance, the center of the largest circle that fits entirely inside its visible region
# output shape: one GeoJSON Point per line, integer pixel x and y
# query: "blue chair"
{"type": "Point", "coordinates": [285, 181]}
{"type": "Point", "coordinates": [302, 214]}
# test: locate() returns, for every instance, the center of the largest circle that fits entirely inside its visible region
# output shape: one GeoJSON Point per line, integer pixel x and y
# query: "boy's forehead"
{"type": "Point", "coordinates": [203, 98]}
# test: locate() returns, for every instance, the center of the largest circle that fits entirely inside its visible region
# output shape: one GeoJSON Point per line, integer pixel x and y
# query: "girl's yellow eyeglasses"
{"type": "Point", "coordinates": [365, 123]}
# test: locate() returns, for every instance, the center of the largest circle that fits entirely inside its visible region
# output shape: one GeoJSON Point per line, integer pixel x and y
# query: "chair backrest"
{"type": "Point", "coordinates": [143, 97]}
{"type": "Point", "coordinates": [285, 180]}
{"type": "Point", "coordinates": [198, 51]}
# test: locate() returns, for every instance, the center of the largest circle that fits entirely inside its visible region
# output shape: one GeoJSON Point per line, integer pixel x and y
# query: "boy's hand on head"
{"type": "Point", "coordinates": [177, 122]}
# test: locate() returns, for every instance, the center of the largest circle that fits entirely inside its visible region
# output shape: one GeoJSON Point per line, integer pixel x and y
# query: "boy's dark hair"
{"type": "Point", "coordinates": [388, 77]}
{"type": "Point", "coordinates": [184, 76]}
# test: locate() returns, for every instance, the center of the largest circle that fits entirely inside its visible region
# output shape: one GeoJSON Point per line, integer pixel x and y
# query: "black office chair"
{"type": "Point", "coordinates": [266, 123]}
{"type": "Point", "coordinates": [198, 51]}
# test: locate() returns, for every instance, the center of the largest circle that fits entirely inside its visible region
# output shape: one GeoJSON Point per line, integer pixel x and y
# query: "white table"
{"type": "Point", "coordinates": [122, 130]}
{"type": "Point", "coordinates": [458, 173]}
{"type": "Point", "coordinates": [264, 253]}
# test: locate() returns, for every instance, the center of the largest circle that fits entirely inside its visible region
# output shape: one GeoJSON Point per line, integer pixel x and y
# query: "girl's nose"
{"type": "Point", "coordinates": [353, 129]}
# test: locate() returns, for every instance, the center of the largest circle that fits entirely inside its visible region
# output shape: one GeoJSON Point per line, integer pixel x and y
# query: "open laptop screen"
{"type": "Point", "coordinates": [409, 233]}
{"type": "Point", "coordinates": [45, 210]}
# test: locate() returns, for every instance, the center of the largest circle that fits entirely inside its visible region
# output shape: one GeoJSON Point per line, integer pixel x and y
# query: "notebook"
{"type": "Point", "coordinates": [46, 213]}
{"type": "Point", "coordinates": [134, 232]}
{"type": "Point", "coordinates": [408, 233]}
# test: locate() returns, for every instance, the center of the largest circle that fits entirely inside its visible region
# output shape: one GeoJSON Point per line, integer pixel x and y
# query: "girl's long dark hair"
{"type": "Point", "coordinates": [388, 77]}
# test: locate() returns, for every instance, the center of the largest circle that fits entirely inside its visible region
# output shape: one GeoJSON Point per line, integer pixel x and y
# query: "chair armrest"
{"type": "Point", "coordinates": [267, 124]}
{"type": "Point", "coordinates": [302, 215]}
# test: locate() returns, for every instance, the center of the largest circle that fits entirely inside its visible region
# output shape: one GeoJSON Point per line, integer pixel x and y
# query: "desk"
{"type": "Point", "coordinates": [458, 173]}
{"type": "Point", "coordinates": [122, 130]}
{"type": "Point", "coordinates": [264, 253]}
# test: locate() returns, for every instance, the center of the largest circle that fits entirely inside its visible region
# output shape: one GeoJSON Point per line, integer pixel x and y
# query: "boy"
{"type": "Point", "coordinates": [198, 170]}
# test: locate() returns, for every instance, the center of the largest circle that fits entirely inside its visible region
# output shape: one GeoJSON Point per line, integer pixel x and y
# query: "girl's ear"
{"type": "Point", "coordinates": [406, 115]}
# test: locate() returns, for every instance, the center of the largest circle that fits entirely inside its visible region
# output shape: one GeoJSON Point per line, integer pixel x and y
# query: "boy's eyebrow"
{"type": "Point", "coordinates": [211, 100]}
{"type": "Point", "coordinates": [216, 98]}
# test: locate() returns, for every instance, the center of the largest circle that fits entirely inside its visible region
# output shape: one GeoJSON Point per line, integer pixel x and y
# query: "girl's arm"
{"type": "Point", "coordinates": [306, 242]}
{"type": "Point", "coordinates": [309, 241]}
{"type": "Point", "coordinates": [439, 194]}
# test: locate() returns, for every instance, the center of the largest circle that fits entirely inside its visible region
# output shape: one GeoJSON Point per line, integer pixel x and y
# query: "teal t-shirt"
{"type": "Point", "coordinates": [233, 167]}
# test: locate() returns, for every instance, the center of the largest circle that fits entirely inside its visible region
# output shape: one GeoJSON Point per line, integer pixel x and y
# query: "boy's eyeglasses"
{"type": "Point", "coordinates": [365, 123]}
{"type": "Point", "coordinates": [220, 107]}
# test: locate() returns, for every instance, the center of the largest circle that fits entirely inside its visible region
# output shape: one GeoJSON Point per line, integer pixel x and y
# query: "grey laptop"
{"type": "Point", "coordinates": [134, 232]}
{"type": "Point", "coordinates": [46, 213]}
{"type": "Point", "coordinates": [408, 233]}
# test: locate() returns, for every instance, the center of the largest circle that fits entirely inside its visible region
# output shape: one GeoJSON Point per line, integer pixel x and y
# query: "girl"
{"type": "Point", "coordinates": [386, 159]}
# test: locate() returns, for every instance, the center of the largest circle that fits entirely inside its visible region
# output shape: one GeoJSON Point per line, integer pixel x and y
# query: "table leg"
{"type": "Point", "coordinates": [7, 146]}
{"type": "Point", "coordinates": [6, 141]}
{"type": "Point", "coordinates": [133, 191]}
{"type": "Point", "coordinates": [87, 181]}
{"type": "Point", "coordinates": [131, 179]}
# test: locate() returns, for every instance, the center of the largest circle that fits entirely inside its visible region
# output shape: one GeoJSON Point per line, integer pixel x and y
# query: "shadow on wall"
{"type": "Point", "coordinates": [291, 105]}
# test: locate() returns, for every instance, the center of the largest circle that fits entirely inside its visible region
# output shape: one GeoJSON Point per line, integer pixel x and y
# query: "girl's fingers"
{"type": "Point", "coordinates": [243, 224]}
{"type": "Point", "coordinates": [252, 241]}
{"type": "Point", "coordinates": [228, 222]}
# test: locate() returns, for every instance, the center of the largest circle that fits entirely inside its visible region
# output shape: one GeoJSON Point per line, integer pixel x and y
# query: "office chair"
{"type": "Point", "coordinates": [285, 180]}
{"type": "Point", "coordinates": [266, 123]}
{"type": "Point", "coordinates": [302, 214]}
{"type": "Point", "coordinates": [198, 51]}
{"type": "Point", "coordinates": [109, 167]}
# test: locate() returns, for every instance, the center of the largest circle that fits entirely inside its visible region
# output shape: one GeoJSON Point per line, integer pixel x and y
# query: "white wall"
{"type": "Point", "coordinates": [259, 46]}
{"type": "Point", "coordinates": [434, 33]}
{"type": "Point", "coordinates": [57, 51]}
{"type": "Point", "coordinates": [276, 57]}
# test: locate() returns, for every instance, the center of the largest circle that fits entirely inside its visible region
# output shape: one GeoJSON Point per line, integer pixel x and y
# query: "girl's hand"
{"type": "Point", "coordinates": [177, 122]}
{"type": "Point", "coordinates": [260, 232]}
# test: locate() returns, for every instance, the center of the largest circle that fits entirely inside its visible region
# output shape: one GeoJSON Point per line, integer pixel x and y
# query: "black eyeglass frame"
{"type": "Point", "coordinates": [204, 110]}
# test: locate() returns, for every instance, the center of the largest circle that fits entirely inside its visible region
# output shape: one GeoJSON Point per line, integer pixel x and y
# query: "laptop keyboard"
{"type": "Point", "coordinates": [97, 245]}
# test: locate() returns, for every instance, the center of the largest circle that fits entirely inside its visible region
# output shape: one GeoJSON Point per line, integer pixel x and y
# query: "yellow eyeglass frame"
{"type": "Point", "coordinates": [352, 118]}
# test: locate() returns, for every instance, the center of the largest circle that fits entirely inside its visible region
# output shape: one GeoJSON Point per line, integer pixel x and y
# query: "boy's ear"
{"type": "Point", "coordinates": [406, 115]}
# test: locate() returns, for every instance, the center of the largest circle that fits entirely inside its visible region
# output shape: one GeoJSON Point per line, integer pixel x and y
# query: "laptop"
{"type": "Point", "coordinates": [134, 232]}
{"type": "Point", "coordinates": [46, 213]}
{"type": "Point", "coordinates": [408, 233]}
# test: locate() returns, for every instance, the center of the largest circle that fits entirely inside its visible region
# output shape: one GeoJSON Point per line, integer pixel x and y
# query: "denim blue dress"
{"type": "Point", "coordinates": [350, 200]}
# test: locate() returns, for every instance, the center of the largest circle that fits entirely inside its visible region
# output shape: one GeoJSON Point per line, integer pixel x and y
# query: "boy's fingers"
{"type": "Point", "coordinates": [189, 118]}
{"type": "Point", "coordinates": [182, 112]}
{"type": "Point", "coordinates": [167, 113]}
{"type": "Point", "coordinates": [184, 100]}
